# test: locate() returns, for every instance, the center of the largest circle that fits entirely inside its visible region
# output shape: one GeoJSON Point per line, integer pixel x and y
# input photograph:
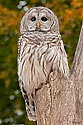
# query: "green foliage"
{"type": "Point", "coordinates": [70, 14]}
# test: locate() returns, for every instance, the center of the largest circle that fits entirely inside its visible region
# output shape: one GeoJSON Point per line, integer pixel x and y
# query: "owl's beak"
{"type": "Point", "coordinates": [38, 25]}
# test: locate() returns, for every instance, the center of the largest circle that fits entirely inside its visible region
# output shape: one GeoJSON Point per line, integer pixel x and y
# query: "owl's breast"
{"type": "Point", "coordinates": [33, 66]}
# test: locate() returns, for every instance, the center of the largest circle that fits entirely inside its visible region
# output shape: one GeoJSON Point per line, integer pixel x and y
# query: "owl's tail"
{"type": "Point", "coordinates": [29, 103]}
{"type": "Point", "coordinates": [30, 108]}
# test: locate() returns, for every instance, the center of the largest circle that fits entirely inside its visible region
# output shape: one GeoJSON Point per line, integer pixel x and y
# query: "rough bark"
{"type": "Point", "coordinates": [60, 101]}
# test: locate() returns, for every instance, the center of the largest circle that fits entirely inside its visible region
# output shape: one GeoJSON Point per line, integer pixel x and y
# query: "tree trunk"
{"type": "Point", "coordinates": [60, 101]}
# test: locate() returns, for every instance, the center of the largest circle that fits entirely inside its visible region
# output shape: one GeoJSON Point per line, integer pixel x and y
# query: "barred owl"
{"type": "Point", "coordinates": [40, 52]}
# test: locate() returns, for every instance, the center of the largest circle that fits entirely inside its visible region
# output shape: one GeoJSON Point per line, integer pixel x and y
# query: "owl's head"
{"type": "Point", "coordinates": [39, 19]}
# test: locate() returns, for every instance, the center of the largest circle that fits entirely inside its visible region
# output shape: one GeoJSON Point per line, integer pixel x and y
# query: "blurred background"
{"type": "Point", "coordinates": [70, 15]}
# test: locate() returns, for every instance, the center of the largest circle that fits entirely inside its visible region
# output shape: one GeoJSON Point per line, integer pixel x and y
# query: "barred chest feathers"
{"type": "Point", "coordinates": [36, 61]}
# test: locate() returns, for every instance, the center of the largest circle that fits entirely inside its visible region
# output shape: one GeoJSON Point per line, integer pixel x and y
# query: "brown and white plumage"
{"type": "Point", "coordinates": [40, 51]}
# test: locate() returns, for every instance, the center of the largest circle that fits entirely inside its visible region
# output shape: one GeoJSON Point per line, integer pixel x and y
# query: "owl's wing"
{"type": "Point", "coordinates": [57, 57]}
{"type": "Point", "coordinates": [61, 60]}
{"type": "Point", "coordinates": [29, 102]}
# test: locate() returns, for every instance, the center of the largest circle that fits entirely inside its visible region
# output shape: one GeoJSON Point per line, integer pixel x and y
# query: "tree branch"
{"type": "Point", "coordinates": [77, 67]}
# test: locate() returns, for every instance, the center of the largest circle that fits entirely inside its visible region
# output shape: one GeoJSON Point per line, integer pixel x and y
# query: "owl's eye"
{"type": "Point", "coordinates": [33, 18]}
{"type": "Point", "coordinates": [44, 18]}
